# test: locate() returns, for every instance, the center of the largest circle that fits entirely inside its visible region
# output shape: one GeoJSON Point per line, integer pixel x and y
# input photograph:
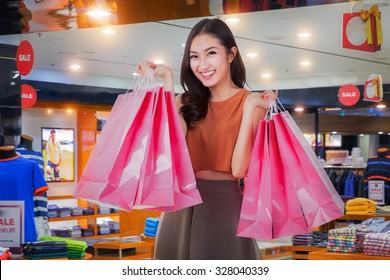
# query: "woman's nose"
{"type": "Point", "coordinates": [203, 64]}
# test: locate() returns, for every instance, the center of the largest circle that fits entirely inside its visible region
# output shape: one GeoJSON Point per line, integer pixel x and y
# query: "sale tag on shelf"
{"type": "Point", "coordinates": [376, 191]}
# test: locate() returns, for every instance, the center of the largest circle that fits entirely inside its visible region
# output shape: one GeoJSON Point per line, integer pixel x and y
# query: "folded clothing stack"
{"type": "Point", "coordinates": [377, 244]}
{"type": "Point", "coordinates": [151, 225]}
{"type": "Point", "coordinates": [45, 250]}
{"type": "Point", "coordinates": [360, 206]}
{"type": "Point", "coordinates": [75, 248]}
{"type": "Point", "coordinates": [347, 239]}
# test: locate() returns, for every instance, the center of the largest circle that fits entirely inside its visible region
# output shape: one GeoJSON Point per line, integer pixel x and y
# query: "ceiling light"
{"type": "Point", "coordinates": [305, 63]}
{"type": "Point", "coordinates": [381, 106]}
{"type": "Point", "coordinates": [98, 13]}
{"type": "Point", "coordinates": [304, 35]}
{"type": "Point", "coordinates": [136, 74]}
{"type": "Point", "coordinates": [232, 20]}
{"type": "Point", "coordinates": [334, 132]}
{"type": "Point", "coordinates": [332, 109]}
{"type": "Point", "coordinates": [380, 132]}
{"type": "Point", "coordinates": [183, 45]}
{"type": "Point", "coordinates": [266, 75]}
{"type": "Point", "coordinates": [299, 109]}
{"type": "Point", "coordinates": [69, 111]}
{"type": "Point", "coordinates": [361, 134]}
{"type": "Point", "coordinates": [158, 61]}
{"type": "Point", "coordinates": [108, 31]}
{"type": "Point", "coordinates": [251, 54]}
{"type": "Point", "coordinates": [75, 67]}
{"type": "Point", "coordinates": [49, 111]}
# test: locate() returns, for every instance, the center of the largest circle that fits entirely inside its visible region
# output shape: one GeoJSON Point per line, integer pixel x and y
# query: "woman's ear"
{"type": "Point", "coordinates": [232, 54]}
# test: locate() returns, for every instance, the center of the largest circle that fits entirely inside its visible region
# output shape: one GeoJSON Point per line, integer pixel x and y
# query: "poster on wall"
{"type": "Point", "coordinates": [58, 154]}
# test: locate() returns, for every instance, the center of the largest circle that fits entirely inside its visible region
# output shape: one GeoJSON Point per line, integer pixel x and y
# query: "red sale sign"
{"type": "Point", "coordinates": [29, 96]}
{"type": "Point", "coordinates": [24, 58]}
{"type": "Point", "coordinates": [349, 95]}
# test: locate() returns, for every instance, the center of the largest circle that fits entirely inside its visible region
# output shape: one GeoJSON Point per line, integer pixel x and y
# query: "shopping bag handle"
{"type": "Point", "coordinates": [275, 106]}
{"type": "Point", "coordinates": [142, 81]}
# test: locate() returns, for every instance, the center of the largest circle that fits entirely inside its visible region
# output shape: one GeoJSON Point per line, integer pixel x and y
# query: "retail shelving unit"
{"type": "Point", "coordinates": [86, 220]}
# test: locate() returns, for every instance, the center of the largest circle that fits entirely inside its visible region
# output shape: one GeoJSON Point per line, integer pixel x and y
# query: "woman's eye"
{"type": "Point", "coordinates": [211, 53]}
{"type": "Point", "coordinates": [193, 56]}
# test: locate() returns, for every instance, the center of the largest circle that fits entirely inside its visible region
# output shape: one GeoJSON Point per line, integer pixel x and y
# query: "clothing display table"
{"type": "Point", "coordinates": [123, 250]}
{"type": "Point", "coordinates": [325, 255]}
{"type": "Point", "coordinates": [302, 252]}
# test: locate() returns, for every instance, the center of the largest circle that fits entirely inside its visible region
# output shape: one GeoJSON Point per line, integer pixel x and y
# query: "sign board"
{"type": "Point", "coordinates": [24, 58]}
{"type": "Point", "coordinates": [11, 223]}
{"type": "Point", "coordinates": [376, 191]}
{"type": "Point", "coordinates": [29, 96]}
{"type": "Point", "coordinates": [349, 95]}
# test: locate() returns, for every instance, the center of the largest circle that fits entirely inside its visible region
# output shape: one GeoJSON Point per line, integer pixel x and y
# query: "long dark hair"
{"type": "Point", "coordinates": [196, 96]}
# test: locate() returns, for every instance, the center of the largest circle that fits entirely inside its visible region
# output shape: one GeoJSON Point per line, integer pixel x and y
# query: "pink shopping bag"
{"type": "Point", "coordinates": [318, 198]}
{"type": "Point", "coordinates": [122, 182]}
{"type": "Point", "coordinates": [287, 215]}
{"type": "Point", "coordinates": [110, 145]}
{"type": "Point", "coordinates": [156, 186]}
{"type": "Point", "coordinates": [256, 210]}
{"type": "Point", "coordinates": [184, 184]}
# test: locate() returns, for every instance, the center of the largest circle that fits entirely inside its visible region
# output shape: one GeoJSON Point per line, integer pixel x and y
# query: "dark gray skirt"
{"type": "Point", "coordinates": [207, 231]}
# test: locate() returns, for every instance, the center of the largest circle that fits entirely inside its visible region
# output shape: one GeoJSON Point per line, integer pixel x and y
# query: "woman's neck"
{"type": "Point", "coordinates": [7, 152]}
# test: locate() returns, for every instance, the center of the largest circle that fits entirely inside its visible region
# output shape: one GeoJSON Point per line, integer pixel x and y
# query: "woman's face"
{"type": "Point", "coordinates": [209, 61]}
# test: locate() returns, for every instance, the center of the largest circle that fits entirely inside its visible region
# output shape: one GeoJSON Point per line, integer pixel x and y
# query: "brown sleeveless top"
{"type": "Point", "coordinates": [211, 142]}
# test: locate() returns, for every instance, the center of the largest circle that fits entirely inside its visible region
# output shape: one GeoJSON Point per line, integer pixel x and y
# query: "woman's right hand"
{"type": "Point", "coordinates": [159, 70]}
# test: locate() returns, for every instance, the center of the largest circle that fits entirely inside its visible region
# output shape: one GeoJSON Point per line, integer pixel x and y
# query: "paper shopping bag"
{"type": "Point", "coordinates": [256, 210]}
{"type": "Point", "coordinates": [184, 183]}
{"type": "Point", "coordinates": [287, 215]}
{"type": "Point", "coordinates": [318, 198]}
{"type": "Point", "coordinates": [121, 186]}
{"type": "Point", "coordinates": [156, 185]}
{"type": "Point", "coordinates": [110, 145]}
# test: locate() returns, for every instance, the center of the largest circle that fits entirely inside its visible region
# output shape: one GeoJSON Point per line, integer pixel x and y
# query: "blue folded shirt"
{"type": "Point", "coordinates": [150, 230]}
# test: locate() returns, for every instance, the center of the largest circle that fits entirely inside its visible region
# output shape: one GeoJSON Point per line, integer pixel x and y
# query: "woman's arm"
{"type": "Point", "coordinates": [255, 109]}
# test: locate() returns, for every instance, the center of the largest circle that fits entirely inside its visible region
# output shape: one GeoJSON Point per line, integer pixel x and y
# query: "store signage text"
{"type": "Point", "coordinates": [349, 95]}
{"type": "Point", "coordinates": [7, 222]}
{"type": "Point", "coordinates": [29, 96]}
{"type": "Point", "coordinates": [24, 58]}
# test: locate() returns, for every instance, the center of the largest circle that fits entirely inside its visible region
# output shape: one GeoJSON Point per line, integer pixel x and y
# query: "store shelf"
{"type": "Point", "coordinates": [83, 217]}
{"type": "Point", "coordinates": [85, 221]}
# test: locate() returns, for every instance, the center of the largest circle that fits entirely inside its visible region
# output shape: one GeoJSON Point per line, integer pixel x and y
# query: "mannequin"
{"type": "Point", "coordinates": [26, 141]}
{"type": "Point", "coordinates": [7, 152]}
{"type": "Point", "coordinates": [41, 217]}
{"type": "Point", "coordinates": [378, 169]}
